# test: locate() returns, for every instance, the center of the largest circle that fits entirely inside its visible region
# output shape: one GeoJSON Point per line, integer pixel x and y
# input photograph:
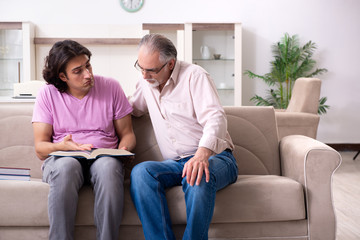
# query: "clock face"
{"type": "Point", "coordinates": [131, 5]}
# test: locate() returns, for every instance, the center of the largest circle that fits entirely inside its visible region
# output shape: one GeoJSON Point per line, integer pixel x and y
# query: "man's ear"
{"type": "Point", "coordinates": [172, 64]}
{"type": "Point", "coordinates": [63, 77]}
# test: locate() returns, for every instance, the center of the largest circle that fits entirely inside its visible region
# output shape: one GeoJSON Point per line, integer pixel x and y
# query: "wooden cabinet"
{"type": "Point", "coordinates": [16, 55]}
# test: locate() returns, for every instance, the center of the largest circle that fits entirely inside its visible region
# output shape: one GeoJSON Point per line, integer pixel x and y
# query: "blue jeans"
{"type": "Point", "coordinates": [66, 175]}
{"type": "Point", "coordinates": [149, 181]}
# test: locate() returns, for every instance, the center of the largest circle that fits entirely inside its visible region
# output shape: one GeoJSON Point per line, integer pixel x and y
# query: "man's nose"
{"type": "Point", "coordinates": [145, 74]}
{"type": "Point", "coordinates": [87, 73]}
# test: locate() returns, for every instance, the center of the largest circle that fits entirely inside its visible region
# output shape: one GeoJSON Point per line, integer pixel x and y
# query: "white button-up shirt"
{"type": "Point", "coordinates": [186, 114]}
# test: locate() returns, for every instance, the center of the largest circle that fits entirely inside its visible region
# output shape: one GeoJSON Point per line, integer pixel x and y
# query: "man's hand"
{"type": "Point", "coordinates": [69, 144]}
{"type": "Point", "coordinates": [196, 166]}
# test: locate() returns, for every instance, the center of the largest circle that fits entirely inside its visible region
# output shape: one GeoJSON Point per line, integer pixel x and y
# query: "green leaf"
{"type": "Point", "coordinates": [291, 61]}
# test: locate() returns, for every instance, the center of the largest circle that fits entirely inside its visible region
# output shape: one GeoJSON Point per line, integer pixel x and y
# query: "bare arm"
{"type": "Point", "coordinates": [44, 145]}
{"type": "Point", "coordinates": [124, 130]}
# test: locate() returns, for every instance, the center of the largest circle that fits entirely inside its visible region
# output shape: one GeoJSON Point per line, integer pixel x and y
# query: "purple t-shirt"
{"type": "Point", "coordinates": [89, 120]}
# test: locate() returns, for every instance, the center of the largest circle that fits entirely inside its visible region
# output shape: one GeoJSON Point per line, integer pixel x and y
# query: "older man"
{"type": "Point", "coordinates": [191, 130]}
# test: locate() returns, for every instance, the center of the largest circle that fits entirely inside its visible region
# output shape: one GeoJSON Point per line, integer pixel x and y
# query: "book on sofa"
{"type": "Point", "coordinates": [94, 153]}
{"type": "Point", "coordinates": [16, 171]}
{"type": "Point", "coordinates": [14, 177]}
{"type": "Point", "coordinates": [9, 173]}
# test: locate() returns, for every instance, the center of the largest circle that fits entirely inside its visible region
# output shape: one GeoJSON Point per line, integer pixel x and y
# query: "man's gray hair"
{"type": "Point", "coordinates": [157, 42]}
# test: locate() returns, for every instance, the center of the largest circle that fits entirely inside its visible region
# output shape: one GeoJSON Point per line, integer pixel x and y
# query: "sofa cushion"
{"type": "Point", "coordinates": [254, 198]}
{"type": "Point", "coordinates": [23, 203]}
{"type": "Point", "coordinates": [20, 156]}
{"type": "Point", "coordinates": [17, 148]}
{"type": "Point", "coordinates": [254, 133]}
{"type": "Point", "coordinates": [260, 198]}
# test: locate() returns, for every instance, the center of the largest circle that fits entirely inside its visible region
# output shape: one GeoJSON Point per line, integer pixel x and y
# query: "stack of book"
{"type": "Point", "coordinates": [9, 173]}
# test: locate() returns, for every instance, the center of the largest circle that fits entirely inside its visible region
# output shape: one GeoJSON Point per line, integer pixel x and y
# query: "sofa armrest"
{"type": "Point", "coordinates": [312, 163]}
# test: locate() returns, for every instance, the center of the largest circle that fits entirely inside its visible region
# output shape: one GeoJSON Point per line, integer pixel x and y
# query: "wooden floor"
{"type": "Point", "coordinates": [346, 196]}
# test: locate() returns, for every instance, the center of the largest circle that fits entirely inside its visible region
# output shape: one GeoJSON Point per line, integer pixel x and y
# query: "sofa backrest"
{"type": "Point", "coordinates": [252, 129]}
{"type": "Point", "coordinates": [305, 96]}
{"type": "Point", "coordinates": [146, 148]}
{"type": "Point", "coordinates": [17, 141]}
{"type": "Point", "coordinates": [254, 134]}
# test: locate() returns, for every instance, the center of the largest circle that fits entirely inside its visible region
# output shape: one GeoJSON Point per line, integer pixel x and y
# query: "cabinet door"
{"type": "Point", "coordinates": [11, 59]}
{"type": "Point", "coordinates": [16, 55]}
{"type": "Point", "coordinates": [217, 48]}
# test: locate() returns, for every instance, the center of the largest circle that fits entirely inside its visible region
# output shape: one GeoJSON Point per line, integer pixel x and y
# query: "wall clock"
{"type": "Point", "coordinates": [131, 5]}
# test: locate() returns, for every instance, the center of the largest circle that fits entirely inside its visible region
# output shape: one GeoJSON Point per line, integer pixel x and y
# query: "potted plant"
{"type": "Point", "coordinates": [291, 61]}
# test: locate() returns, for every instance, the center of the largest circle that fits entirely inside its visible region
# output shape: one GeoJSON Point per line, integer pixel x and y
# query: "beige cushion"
{"type": "Point", "coordinates": [305, 96]}
{"type": "Point", "coordinates": [23, 203]}
{"type": "Point", "coordinates": [17, 144]}
{"type": "Point", "coordinates": [251, 199]}
{"type": "Point", "coordinates": [254, 134]}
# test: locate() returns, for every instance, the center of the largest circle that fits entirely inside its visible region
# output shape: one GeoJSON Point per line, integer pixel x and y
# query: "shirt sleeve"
{"type": "Point", "coordinates": [42, 108]}
{"type": "Point", "coordinates": [138, 101]}
{"type": "Point", "coordinates": [122, 106]}
{"type": "Point", "coordinates": [209, 112]}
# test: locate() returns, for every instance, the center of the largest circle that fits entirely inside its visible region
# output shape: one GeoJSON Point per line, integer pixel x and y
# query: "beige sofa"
{"type": "Point", "coordinates": [283, 190]}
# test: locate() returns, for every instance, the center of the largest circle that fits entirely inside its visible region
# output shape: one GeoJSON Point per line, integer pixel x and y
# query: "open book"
{"type": "Point", "coordinates": [94, 153]}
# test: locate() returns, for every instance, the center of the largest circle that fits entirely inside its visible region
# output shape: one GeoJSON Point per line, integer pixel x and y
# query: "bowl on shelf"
{"type": "Point", "coordinates": [217, 56]}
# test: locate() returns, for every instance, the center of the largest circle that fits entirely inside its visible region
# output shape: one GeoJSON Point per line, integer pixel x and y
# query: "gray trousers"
{"type": "Point", "coordinates": [66, 175]}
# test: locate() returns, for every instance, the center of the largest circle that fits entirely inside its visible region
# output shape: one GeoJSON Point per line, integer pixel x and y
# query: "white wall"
{"type": "Point", "coordinates": [333, 24]}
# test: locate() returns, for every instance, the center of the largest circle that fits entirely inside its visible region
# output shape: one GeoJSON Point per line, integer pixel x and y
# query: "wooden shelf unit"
{"type": "Point", "coordinates": [92, 41]}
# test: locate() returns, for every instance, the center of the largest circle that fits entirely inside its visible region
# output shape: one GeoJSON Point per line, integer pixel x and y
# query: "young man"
{"type": "Point", "coordinates": [79, 111]}
{"type": "Point", "coordinates": [191, 130]}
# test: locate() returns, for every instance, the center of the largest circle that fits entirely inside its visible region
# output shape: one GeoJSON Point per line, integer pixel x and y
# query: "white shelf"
{"type": "Point", "coordinates": [224, 39]}
{"type": "Point", "coordinates": [213, 59]}
{"type": "Point", "coordinates": [5, 99]}
{"type": "Point", "coordinates": [17, 55]}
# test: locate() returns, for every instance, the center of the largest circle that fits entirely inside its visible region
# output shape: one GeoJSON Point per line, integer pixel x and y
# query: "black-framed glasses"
{"type": "Point", "coordinates": [150, 71]}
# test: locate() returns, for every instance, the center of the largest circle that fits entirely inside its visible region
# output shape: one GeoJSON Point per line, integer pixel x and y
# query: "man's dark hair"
{"type": "Point", "coordinates": [59, 56]}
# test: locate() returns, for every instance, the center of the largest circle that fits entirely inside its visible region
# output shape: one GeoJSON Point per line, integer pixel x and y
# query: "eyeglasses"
{"type": "Point", "coordinates": [150, 71]}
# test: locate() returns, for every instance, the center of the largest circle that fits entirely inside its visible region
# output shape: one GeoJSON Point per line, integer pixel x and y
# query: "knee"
{"type": "Point", "coordinates": [201, 189]}
{"type": "Point", "coordinates": [138, 172]}
{"type": "Point", "coordinates": [68, 165]}
{"type": "Point", "coordinates": [110, 169]}
{"type": "Point", "coordinates": [141, 173]}
{"type": "Point", "coordinates": [107, 165]}
{"type": "Point", "coordinates": [66, 171]}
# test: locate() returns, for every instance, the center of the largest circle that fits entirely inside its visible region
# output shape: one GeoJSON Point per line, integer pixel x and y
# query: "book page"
{"type": "Point", "coordinates": [75, 153]}
{"type": "Point", "coordinates": [108, 151]}
{"type": "Point", "coordinates": [93, 153]}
